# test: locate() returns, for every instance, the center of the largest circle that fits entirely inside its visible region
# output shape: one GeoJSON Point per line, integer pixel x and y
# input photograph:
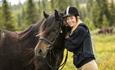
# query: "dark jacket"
{"type": "Point", "coordinates": [80, 44]}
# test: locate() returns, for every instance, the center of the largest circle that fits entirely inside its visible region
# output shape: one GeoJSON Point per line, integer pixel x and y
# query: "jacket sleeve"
{"type": "Point", "coordinates": [75, 40]}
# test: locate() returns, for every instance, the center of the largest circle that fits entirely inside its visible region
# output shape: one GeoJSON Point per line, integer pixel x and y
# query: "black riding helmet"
{"type": "Point", "coordinates": [71, 11]}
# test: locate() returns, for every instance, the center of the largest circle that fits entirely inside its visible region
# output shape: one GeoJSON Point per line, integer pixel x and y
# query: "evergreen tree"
{"type": "Point", "coordinates": [7, 19]}
{"type": "Point", "coordinates": [21, 18]}
{"type": "Point", "coordinates": [31, 13]}
{"type": "Point", "coordinates": [96, 15]}
{"type": "Point", "coordinates": [45, 6]}
{"type": "Point", "coordinates": [112, 9]}
{"type": "Point", "coordinates": [0, 18]}
{"type": "Point", "coordinates": [62, 4]}
{"type": "Point", "coordinates": [89, 23]}
{"type": "Point", "coordinates": [40, 8]}
{"type": "Point", "coordinates": [103, 5]}
{"type": "Point", "coordinates": [105, 22]}
{"type": "Point", "coordinates": [93, 13]}
{"type": "Point", "coordinates": [53, 5]}
{"type": "Point", "coordinates": [89, 8]}
{"type": "Point", "coordinates": [77, 4]}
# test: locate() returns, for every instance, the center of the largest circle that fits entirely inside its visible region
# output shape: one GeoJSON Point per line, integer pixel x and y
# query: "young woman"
{"type": "Point", "coordinates": [78, 41]}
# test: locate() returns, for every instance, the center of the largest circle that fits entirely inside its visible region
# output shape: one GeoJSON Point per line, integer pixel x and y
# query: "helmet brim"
{"type": "Point", "coordinates": [65, 16]}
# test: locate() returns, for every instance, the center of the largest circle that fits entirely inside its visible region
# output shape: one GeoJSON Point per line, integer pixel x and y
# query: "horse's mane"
{"type": "Point", "coordinates": [32, 30]}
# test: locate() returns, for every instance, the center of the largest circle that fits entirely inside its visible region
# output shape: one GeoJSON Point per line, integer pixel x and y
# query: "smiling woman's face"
{"type": "Point", "coordinates": [71, 21]}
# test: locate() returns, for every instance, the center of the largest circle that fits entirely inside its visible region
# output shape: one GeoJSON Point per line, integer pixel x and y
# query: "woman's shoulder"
{"type": "Point", "coordinates": [82, 27]}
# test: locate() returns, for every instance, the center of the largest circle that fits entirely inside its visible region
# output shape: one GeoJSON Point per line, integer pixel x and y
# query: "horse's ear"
{"type": "Point", "coordinates": [45, 14]}
{"type": "Point", "coordinates": [57, 15]}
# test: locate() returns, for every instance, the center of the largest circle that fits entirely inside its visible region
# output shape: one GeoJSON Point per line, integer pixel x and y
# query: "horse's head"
{"type": "Point", "coordinates": [50, 30]}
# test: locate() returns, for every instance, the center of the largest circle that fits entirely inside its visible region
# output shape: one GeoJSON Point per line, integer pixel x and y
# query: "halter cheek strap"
{"type": "Point", "coordinates": [43, 38]}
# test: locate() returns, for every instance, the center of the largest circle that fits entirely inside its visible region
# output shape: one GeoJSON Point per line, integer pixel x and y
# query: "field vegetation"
{"type": "Point", "coordinates": [104, 47]}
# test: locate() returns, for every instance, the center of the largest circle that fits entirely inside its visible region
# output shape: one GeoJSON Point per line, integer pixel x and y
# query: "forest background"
{"type": "Point", "coordinates": [99, 15]}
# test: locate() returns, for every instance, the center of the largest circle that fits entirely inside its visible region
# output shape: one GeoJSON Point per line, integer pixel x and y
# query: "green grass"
{"type": "Point", "coordinates": [104, 51]}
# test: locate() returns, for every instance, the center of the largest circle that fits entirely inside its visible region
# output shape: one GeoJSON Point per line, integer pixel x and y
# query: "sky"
{"type": "Point", "coordinates": [13, 2]}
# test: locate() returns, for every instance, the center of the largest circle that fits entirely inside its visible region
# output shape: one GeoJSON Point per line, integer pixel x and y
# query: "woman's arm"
{"type": "Point", "coordinates": [75, 40]}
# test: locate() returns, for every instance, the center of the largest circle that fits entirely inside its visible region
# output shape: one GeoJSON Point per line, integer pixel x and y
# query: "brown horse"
{"type": "Point", "coordinates": [51, 41]}
{"type": "Point", "coordinates": [16, 49]}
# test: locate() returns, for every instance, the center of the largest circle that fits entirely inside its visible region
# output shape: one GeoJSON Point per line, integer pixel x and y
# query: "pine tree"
{"type": "Point", "coordinates": [40, 8]}
{"type": "Point", "coordinates": [89, 8]}
{"type": "Point", "coordinates": [105, 22]}
{"type": "Point", "coordinates": [112, 12]}
{"type": "Point", "coordinates": [103, 5]}
{"type": "Point", "coordinates": [0, 18]}
{"type": "Point", "coordinates": [62, 4]}
{"type": "Point", "coordinates": [53, 5]}
{"type": "Point", "coordinates": [7, 19]}
{"type": "Point", "coordinates": [89, 23]}
{"type": "Point", "coordinates": [97, 15]}
{"type": "Point", "coordinates": [31, 13]}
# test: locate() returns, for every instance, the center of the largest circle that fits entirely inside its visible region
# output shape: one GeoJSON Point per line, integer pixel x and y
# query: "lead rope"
{"type": "Point", "coordinates": [63, 64]}
{"type": "Point", "coordinates": [52, 68]}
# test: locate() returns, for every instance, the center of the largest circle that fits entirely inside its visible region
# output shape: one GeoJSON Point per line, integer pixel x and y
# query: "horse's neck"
{"type": "Point", "coordinates": [60, 50]}
{"type": "Point", "coordinates": [55, 57]}
{"type": "Point", "coordinates": [56, 54]}
{"type": "Point", "coordinates": [33, 29]}
{"type": "Point", "coordinates": [28, 38]}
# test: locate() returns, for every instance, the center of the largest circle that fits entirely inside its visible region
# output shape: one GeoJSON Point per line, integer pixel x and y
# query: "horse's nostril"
{"type": "Point", "coordinates": [40, 51]}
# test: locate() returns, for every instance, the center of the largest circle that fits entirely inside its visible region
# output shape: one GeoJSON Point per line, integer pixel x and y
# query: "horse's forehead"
{"type": "Point", "coordinates": [50, 20]}
{"type": "Point", "coordinates": [51, 17]}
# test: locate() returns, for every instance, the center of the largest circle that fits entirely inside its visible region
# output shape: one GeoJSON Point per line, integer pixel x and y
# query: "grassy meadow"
{"type": "Point", "coordinates": [104, 46]}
